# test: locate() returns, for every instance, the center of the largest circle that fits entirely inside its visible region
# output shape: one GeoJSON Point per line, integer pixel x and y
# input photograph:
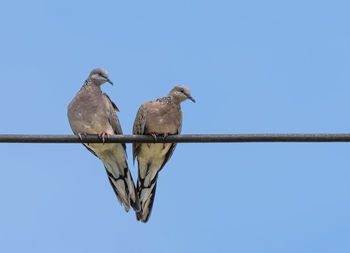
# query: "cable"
{"type": "Point", "coordinates": [186, 138]}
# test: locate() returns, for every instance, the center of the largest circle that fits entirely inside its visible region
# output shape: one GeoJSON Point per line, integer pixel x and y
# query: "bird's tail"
{"type": "Point", "coordinates": [146, 193]}
{"type": "Point", "coordinates": [122, 183]}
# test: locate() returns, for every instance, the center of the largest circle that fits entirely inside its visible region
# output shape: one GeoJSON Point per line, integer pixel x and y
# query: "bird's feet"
{"type": "Point", "coordinates": [103, 136]}
{"type": "Point", "coordinates": [154, 135]}
{"type": "Point", "coordinates": [80, 135]}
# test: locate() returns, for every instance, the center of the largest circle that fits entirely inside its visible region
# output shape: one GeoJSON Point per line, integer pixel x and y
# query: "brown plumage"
{"type": "Point", "coordinates": [160, 117]}
{"type": "Point", "coordinates": [93, 112]}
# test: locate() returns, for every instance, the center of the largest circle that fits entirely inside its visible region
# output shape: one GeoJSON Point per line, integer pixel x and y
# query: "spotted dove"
{"type": "Point", "coordinates": [161, 117]}
{"type": "Point", "coordinates": [92, 112]}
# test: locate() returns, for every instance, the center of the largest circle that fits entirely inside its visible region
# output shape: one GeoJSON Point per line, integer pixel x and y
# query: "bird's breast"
{"type": "Point", "coordinates": [164, 122]}
{"type": "Point", "coordinates": [86, 115]}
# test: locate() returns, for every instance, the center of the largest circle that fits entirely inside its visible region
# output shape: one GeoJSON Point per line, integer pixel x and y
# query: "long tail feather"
{"type": "Point", "coordinates": [122, 184]}
{"type": "Point", "coordinates": [146, 194]}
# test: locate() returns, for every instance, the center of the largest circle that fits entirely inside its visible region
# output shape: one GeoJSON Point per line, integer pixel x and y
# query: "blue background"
{"type": "Point", "coordinates": [253, 67]}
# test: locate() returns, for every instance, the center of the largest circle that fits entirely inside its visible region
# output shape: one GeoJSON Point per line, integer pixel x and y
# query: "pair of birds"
{"type": "Point", "coordinates": [92, 112]}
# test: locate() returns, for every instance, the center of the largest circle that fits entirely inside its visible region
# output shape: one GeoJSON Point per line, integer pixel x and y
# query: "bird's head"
{"type": "Point", "coordinates": [99, 76]}
{"type": "Point", "coordinates": [181, 93]}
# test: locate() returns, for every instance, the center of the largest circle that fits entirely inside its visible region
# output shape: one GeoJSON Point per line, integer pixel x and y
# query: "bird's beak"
{"type": "Point", "coordinates": [191, 98]}
{"type": "Point", "coordinates": [109, 81]}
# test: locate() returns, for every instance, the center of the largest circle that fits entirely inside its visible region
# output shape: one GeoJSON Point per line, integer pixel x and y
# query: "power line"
{"type": "Point", "coordinates": [186, 138]}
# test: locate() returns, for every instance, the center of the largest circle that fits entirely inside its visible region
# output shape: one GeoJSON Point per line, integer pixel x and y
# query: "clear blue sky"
{"type": "Point", "coordinates": [252, 66]}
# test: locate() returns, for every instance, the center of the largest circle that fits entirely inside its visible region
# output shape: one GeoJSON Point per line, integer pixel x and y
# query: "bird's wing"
{"type": "Point", "coordinates": [113, 118]}
{"type": "Point", "coordinates": [116, 164]}
{"type": "Point", "coordinates": [171, 150]}
{"type": "Point", "coordinates": [138, 129]}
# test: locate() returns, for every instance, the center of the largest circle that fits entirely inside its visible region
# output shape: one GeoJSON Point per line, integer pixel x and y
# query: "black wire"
{"type": "Point", "coordinates": [186, 138]}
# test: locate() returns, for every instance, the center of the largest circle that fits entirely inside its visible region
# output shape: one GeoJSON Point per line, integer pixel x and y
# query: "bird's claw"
{"type": "Point", "coordinates": [154, 135]}
{"type": "Point", "coordinates": [165, 136]}
{"type": "Point", "coordinates": [103, 136]}
{"type": "Point", "coordinates": [80, 135]}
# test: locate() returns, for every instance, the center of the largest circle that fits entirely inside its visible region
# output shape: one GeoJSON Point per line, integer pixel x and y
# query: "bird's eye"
{"type": "Point", "coordinates": [182, 90]}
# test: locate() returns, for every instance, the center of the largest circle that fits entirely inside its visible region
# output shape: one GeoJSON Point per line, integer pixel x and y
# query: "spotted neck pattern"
{"type": "Point", "coordinates": [166, 100]}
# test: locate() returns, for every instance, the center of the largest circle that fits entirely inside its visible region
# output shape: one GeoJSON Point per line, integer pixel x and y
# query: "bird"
{"type": "Point", "coordinates": [161, 117]}
{"type": "Point", "coordinates": [93, 112]}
